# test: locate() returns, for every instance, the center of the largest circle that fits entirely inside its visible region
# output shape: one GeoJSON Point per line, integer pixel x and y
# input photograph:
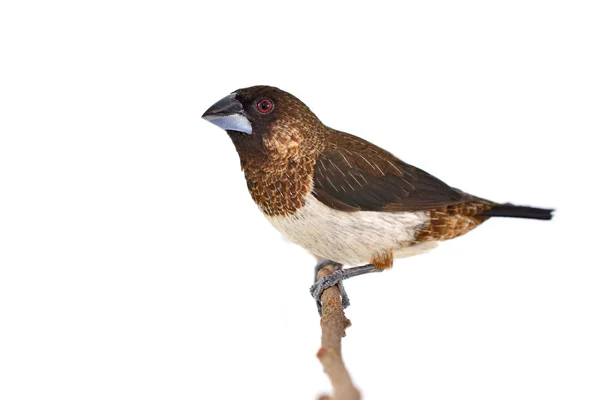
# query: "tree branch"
{"type": "Point", "coordinates": [333, 328]}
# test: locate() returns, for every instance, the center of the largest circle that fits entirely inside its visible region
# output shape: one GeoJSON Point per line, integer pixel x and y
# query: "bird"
{"type": "Point", "coordinates": [344, 199]}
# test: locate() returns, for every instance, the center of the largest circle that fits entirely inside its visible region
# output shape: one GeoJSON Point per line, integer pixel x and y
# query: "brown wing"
{"type": "Point", "coordinates": [355, 175]}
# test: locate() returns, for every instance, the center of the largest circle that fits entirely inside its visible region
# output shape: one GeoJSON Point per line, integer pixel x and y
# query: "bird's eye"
{"type": "Point", "coordinates": [264, 106]}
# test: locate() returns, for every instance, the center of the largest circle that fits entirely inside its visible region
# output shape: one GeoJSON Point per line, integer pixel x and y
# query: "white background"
{"type": "Point", "coordinates": [134, 265]}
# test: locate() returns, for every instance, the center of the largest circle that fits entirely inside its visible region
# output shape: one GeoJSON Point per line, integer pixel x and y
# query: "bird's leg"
{"type": "Point", "coordinates": [322, 263]}
{"type": "Point", "coordinates": [336, 278]}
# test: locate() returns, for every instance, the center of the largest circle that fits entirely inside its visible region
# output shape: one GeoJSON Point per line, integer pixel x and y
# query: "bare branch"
{"type": "Point", "coordinates": [333, 328]}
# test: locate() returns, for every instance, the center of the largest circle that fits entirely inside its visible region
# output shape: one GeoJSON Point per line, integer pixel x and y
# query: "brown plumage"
{"type": "Point", "coordinates": [303, 175]}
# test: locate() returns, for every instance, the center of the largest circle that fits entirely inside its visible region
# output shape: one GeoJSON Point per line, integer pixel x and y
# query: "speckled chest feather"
{"type": "Point", "coordinates": [278, 173]}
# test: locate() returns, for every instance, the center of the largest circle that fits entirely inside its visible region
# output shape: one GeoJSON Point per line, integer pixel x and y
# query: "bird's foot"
{"type": "Point", "coordinates": [336, 278]}
{"type": "Point", "coordinates": [320, 265]}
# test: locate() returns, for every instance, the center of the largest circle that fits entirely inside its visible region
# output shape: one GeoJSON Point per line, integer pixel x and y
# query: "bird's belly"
{"type": "Point", "coordinates": [351, 238]}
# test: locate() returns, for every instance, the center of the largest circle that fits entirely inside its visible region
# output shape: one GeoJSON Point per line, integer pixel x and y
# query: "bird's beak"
{"type": "Point", "coordinates": [228, 113]}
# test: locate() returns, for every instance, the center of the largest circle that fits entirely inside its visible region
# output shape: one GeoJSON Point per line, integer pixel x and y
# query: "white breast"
{"type": "Point", "coordinates": [352, 238]}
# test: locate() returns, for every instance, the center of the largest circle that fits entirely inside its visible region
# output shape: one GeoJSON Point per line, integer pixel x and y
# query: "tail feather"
{"type": "Point", "coordinates": [512, 211]}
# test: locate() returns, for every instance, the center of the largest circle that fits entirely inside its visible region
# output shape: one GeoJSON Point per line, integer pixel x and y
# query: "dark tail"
{"type": "Point", "coordinates": [512, 211]}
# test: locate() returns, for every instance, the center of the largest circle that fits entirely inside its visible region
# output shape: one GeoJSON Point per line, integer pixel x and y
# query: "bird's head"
{"type": "Point", "coordinates": [265, 119]}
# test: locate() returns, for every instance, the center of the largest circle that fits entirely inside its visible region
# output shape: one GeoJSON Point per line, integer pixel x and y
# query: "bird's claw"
{"type": "Point", "coordinates": [328, 281]}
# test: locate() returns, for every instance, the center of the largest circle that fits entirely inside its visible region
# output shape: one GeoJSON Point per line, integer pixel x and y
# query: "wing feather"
{"type": "Point", "coordinates": [355, 175]}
